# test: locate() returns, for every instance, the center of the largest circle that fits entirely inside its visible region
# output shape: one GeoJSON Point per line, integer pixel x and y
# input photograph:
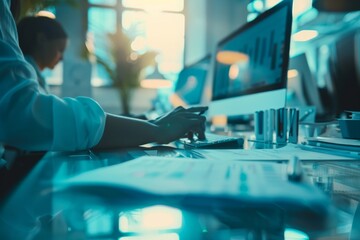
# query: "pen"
{"type": "Point", "coordinates": [294, 169]}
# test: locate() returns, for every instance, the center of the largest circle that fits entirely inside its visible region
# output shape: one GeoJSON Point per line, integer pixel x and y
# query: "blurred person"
{"type": "Point", "coordinates": [42, 41]}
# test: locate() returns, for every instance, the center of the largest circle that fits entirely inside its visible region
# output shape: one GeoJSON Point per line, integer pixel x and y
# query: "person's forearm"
{"type": "Point", "coordinates": [127, 132]}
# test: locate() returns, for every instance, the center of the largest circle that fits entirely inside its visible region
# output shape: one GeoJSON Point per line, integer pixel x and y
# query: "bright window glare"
{"type": "Point", "coordinates": [271, 3]}
{"type": "Point", "coordinates": [44, 13]}
{"type": "Point", "coordinates": [305, 35]}
{"type": "Point", "coordinates": [54, 77]}
{"type": "Point", "coordinates": [301, 6]}
{"type": "Point", "coordinates": [163, 5]}
{"type": "Point", "coordinates": [293, 234]}
{"type": "Point", "coordinates": [292, 73]}
{"type": "Point", "coordinates": [165, 236]}
{"type": "Point", "coordinates": [150, 219]}
{"type": "Point", "coordinates": [159, 28]}
{"type": "Point", "coordinates": [102, 21]}
{"type": "Point", "coordinates": [160, 32]}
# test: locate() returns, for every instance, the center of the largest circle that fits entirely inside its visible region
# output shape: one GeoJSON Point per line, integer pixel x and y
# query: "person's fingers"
{"type": "Point", "coordinates": [190, 135]}
{"type": "Point", "coordinates": [201, 135]}
{"type": "Point", "coordinates": [198, 131]}
{"type": "Point", "coordinates": [178, 109]}
{"type": "Point", "coordinates": [193, 125]}
{"type": "Point", "coordinates": [186, 115]}
{"type": "Point", "coordinates": [199, 109]}
{"type": "Point", "coordinates": [172, 112]}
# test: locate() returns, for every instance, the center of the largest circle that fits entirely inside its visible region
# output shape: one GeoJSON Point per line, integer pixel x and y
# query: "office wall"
{"type": "Point", "coordinates": [195, 30]}
{"type": "Point", "coordinates": [76, 69]}
{"type": "Point", "coordinates": [223, 17]}
{"type": "Point", "coordinates": [208, 21]}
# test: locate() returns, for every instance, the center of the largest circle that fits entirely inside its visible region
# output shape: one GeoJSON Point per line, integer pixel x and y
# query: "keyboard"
{"type": "Point", "coordinates": [213, 141]}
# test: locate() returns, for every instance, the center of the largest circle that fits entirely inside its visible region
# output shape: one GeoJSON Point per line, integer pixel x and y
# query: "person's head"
{"type": "Point", "coordinates": [42, 38]}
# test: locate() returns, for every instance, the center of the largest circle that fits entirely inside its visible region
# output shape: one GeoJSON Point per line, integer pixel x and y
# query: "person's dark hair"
{"type": "Point", "coordinates": [30, 27]}
{"type": "Point", "coordinates": [15, 7]}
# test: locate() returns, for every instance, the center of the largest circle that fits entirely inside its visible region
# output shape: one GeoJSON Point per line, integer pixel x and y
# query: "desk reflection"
{"type": "Point", "coordinates": [36, 211]}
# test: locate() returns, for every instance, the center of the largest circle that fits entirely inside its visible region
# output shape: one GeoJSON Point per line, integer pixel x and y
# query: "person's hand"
{"type": "Point", "coordinates": [181, 122]}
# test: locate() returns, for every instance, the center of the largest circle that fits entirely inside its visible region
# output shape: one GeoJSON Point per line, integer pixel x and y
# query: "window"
{"type": "Point", "coordinates": [162, 5]}
{"type": "Point", "coordinates": [158, 26]}
{"type": "Point", "coordinates": [101, 22]}
{"type": "Point", "coordinates": [161, 32]}
{"type": "Point", "coordinates": [103, 2]}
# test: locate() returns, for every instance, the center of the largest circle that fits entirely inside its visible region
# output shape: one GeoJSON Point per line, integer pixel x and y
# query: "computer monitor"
{"type": "Point", "coordinates": [345, 72]}
{"type": "Point", "coordinates": [302, 87]}
{"type": "Point", "coordinates": [251, 65]}
{"type": "Point", "coordinates": [190, 84]}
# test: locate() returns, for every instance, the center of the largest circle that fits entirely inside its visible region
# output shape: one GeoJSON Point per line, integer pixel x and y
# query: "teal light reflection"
{"type": "Point", "coordinates": [293, 234]}
{"type": "Point", "coordinates": [164, 236]}
{"type": "Point", "coordinates": [151, 219]}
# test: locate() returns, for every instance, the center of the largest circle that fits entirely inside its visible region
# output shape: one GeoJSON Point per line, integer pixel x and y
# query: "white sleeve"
{"type": "Point", "coordinates": [33, 121]}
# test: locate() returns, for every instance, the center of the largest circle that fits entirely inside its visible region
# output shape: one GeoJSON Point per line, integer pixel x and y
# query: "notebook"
{"type": "Point", "coordinates": [337, 146]}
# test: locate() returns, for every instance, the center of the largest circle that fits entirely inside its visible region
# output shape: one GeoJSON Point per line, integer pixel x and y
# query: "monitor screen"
{"type": "Point", "coordinates": [191, 81]}
{"type": "Point", "coordinates": [345, 73]}
{"type": "Point", "coordinates": [302, 86]}
{"type": "Point", "coordinates": [251, 65]}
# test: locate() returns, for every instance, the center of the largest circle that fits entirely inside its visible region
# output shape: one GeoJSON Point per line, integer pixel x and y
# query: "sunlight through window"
{"type": "Point", "coordinates": [157, 25]}
{"type": "Point", "coordinates": [162, 5]}
{"type": "Point", "coordinates": [160, 32]}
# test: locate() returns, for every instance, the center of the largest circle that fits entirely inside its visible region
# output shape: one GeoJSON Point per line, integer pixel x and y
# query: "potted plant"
{"type": "Point", "coordinates": [125, 67]}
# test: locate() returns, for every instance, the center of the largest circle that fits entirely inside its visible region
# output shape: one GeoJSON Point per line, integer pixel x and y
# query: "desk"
{"type": "Point", "coordinates": [70, 217]}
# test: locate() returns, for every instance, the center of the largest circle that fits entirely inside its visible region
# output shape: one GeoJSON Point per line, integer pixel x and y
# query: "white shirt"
{"type": "Point", "coordinates": [43, 86]}
{"type": "Point", "coordinates": [34, 121]}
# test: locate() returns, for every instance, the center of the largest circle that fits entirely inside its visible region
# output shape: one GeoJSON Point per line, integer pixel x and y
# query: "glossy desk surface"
{"type": "Point", "coordinates": [35, 211]}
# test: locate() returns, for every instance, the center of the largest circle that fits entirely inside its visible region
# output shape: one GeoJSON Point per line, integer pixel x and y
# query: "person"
{"type": "Point", "coordinates": [42, 41]}
{"type": "Point", "coordinates": [33, 121]}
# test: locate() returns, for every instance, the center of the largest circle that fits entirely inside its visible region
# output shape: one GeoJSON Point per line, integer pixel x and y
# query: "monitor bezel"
{"type": "Point", "coordinates": [283, 81]}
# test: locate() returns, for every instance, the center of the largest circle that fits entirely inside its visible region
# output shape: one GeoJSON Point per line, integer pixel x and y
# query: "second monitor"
{"type": "Point", "coordinates": [190, 83]}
